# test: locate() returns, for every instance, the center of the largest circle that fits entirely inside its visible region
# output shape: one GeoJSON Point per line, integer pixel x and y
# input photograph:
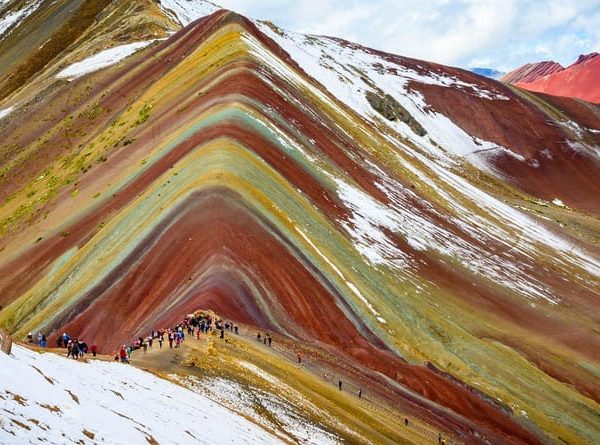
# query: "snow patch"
{"type": "Point", "coordinates": [11, 19]}
{"type": "Point", "coordinates": [102, 60]}
{"type": "Point", "coordinates": [5, 112]}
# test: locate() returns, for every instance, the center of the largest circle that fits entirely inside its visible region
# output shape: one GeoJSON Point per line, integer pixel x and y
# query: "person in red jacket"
{"type": "Point", "coordinates": [94, 349]}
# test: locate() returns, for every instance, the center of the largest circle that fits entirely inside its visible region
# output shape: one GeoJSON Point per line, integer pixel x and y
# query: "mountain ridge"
{"type": "Point", "coordinates": [240, 166]}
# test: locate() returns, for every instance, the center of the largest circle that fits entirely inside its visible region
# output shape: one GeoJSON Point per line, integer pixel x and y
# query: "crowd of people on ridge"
{"type": "Point", "coordinates": [193, 325]}
{"type": "Point", "coordinates": [76, 347]}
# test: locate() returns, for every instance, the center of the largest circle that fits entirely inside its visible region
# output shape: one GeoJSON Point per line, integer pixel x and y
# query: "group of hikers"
{"type": "Point", "coordinates": [193, 325]}
{"type": "Point", "coordinates": [76, 347]}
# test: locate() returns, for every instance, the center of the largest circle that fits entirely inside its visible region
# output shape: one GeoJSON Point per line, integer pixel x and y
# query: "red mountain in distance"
{"type": "Point", "coordinates": [580, 80]}
{"type": "Point", "coordinates": [532, 71]}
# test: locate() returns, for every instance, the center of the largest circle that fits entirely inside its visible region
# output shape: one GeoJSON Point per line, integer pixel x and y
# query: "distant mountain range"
{"type": "Point", "coordinates": [580, 79]}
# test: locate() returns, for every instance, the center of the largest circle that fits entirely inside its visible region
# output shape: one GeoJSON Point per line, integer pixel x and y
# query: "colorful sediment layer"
{"type": "Point", "coordinates": [441, 232]}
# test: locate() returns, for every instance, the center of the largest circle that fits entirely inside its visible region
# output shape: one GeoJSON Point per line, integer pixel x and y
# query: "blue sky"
{"type": "Point", "coordinates": [501, 34]}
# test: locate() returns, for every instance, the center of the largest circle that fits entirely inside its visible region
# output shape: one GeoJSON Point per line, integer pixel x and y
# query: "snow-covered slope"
{"type": "Point", "coordinates": [186, 11]}
{"type": "Point", "coordinates": [47, 398]}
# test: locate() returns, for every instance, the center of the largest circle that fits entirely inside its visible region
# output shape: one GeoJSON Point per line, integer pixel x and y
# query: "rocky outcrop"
{"type": "Point", "coordinates": [5, 341]}
{"type": "Point", "coordinates": [389, 108]}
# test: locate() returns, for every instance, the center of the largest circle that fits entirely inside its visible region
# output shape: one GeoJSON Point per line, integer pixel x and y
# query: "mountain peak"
{"type": "Point", "coordinates": [532, 71]}
{"type": "Point", "coordinates": [585, 57]}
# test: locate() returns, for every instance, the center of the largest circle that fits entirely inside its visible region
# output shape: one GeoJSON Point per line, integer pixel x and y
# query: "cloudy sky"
{"type": "Point", "coordinates": [501, 34]}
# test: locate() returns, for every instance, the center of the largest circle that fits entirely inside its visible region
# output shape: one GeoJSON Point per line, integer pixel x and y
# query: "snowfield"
{"type": "Point", "coordinates": [51, 399]}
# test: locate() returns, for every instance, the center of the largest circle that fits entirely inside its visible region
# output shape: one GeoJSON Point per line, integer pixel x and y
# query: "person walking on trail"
{"type": "Point", "coordinates": [340, 384]}
{"type": "Point", "coordinates": [299, 356]}
{"type": "Point", "coordinates": [160, 342]}
{"type": "Point", "coordinates": [222, 332]}
{"type": "Point", "coordinates": [269, 339]}
{"type": "Point", "coordinates": [75, 350]}
{"type": "Point", "coordinates": [30, 337]}
{"type": "Point", "coordinates": [359, 393]}
{"type": "Point", "coordinates": [406, 421]}
{"type": "Point", "coordinates": [94, 349]}
{"type": "Point", "coordinates": [123, 354]}
{"type": "Point", "coordinates": [178, 341]}
{"type": "Point", "coordinates": [236, 330]}
{"type": "Point", "coordinates": [258, 336]}
{"type": "Point", "coordinates": [171, 340]}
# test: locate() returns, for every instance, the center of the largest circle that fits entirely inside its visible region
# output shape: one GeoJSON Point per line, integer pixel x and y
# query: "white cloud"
{"type": "Point", "coordinates": [505, 33]}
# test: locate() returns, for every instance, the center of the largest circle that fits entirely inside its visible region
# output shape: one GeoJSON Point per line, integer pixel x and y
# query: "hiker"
{"type": "Point", "coordinates": [123, 354]}
{"type": "Point", "coordinates": [359, 393]}
{"type": "Point", "coordinates": [83, 347]}
{"type": "Point", "coordinates": [160, 342]}
{"type": "Point", "coordinates": [177, 341]}
{"type": "Point", "coordinates": [30, 337]}
{"type": "Point", "coordinates": [39, 339]}
{"type": "Point", "coordinates": [66, 339]}
{"type": "Point", "coordinates": [59, 342]}
{"type": "Point", "coordinates": [171, 340]}
{"type": "Point", "coordinates": [258, 336]}
{"type": "Point", "coordinates": [75, 350]}
{"type": "Point", "coordinates": [440, 439]}
{"type": "Point", "coordinates": [406, 421]}
{"type": "Point", "coordinates": [269, 339]}
{"type": "Point", "coordinates": [129, 351]}
{"type": "Point", "coordinates": [222, 332]}
{"type": "Point", "coordinates": [340, 384]}
{"type": "Point", "coordinates": [236, 329]}
{"type": "Point", "coordinates": [44, 342]}
{"type": "Point", "coordinates": [299, 355]}
{"type": "Point", "coordinates": [265, 340]}
{"type": "Point", "coordinates": [94, 349]}
{"type": "Point", "coordinates": [198, 334]}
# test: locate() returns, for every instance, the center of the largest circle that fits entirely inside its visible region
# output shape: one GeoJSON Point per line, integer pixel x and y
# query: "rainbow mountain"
{"type": "Point", "coordinates": [434, 231]}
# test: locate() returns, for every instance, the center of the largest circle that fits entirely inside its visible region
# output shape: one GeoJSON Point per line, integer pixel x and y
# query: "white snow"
{"type": "Point", "coordinates": [186, 11]}
{"type": "Point", "coordinates": [47, 398]}
{"type": "Point", "coordinates": [287, 408]}
{"type": "Point", "coordinates": [5, 112]}
{"type": "Point", "coordinates": [19, 15]}
{"type": "Point", "coordinates": [348, 72]}
{"type": "Point", "coordinates": [101, 60]}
